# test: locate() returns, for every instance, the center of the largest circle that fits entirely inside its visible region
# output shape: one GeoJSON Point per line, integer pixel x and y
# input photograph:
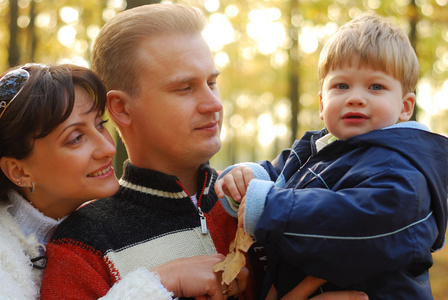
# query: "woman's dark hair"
{"type": "Point", "coordinates": [45, 101]}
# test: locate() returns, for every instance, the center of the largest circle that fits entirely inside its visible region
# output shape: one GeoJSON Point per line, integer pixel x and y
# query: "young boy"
{"type": "Point", "coordinates": [363, 202]}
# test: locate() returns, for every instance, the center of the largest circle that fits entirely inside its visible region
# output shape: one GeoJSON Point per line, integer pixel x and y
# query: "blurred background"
{"type": "Point", "coordinates": [267, 51]}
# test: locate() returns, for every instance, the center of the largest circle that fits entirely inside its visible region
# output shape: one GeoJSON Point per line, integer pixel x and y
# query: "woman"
{"type": "Point", "coordinates": [55, 154]}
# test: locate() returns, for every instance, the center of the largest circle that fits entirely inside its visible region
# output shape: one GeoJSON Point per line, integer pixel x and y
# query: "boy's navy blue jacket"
{"type": "Point", "coordinates": [363, 213]}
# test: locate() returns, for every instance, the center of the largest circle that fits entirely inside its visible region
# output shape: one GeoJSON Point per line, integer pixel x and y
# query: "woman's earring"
{"type": "Point", "coordinates": [32, 187]}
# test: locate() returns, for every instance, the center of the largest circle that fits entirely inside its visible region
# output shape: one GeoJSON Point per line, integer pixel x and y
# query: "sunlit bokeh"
{"type": "Point", "coordinates": [67, 35]}
{"type": "Point", "coordinates": [23, 21]}
{"type": "Point", "coordinates": [266, 132]}
{"type": "Point", "coordinates": [23, 3]}
{"type": "Point", "coordinates": [45, 20]}
{"type": "Point", "coordinates": [92, 31]}
{"type": "Point", "coordinates": [211, 5]}
{"type": "Point", "coordinates": [264, 27]}
{"type": "Point", "coordinates": [76, 60]}
{"type": "Point", "coordinates": [109, 13]}
{"type": "Point", "coordinates": [308, 40]}
{"type": "Point", "coordinates": [118, 5]}
{"type": "Point", "coordinates": [69, 15]}
{"type": "Point", "coordinates": [221, 59]}
{"type": "Point", "coordinates": [232, 11]}
{"type": "Point", "coordinates": [279, 59]}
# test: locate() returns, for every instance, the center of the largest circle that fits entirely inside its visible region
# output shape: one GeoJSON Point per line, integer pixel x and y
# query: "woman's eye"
{"type": "Point", "coordinates": [101, 124]}
{"type": "Point", "coordinates": [76, 140]}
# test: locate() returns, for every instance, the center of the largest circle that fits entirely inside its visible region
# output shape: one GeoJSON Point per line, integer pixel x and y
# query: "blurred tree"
{"type": "Point", "coordinates": [413, 21]}
{"type": "Point", "coordinates": [267, 51]}
{"type": "Point", "coordinates": [32, 39]}
{"type": "Point", "coordinates": [14, 50]}
{"type": "Point", "coordinates": [294, 64]}
{"type": "Point", "coordinates": [135, 3]}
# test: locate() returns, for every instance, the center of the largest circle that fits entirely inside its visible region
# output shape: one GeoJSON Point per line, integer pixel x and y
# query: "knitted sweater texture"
{"type": "Point", "coordinates": [149, 221]}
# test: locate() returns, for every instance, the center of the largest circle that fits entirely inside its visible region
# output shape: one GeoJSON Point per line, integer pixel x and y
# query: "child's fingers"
{"type": "Point", "coordinates": [219, 188]}
{"type": "Point", "coordinates": [239, 179]}
{"type": "Point", "coordinates": [241, 213]}
{"type": "Point", "coordinates": [231, 187]}
{"type": "Point", "coordinates": [234, 183]}
{"type": "Point", "coordinates": [248, 175]}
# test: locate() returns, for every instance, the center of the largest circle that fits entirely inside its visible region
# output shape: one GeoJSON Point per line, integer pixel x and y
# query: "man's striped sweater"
{"type": "Point", "coordinates": [149, 221]}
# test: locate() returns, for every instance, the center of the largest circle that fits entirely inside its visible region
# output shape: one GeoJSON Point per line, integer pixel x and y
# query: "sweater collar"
{"type": "Point", "coordinates": [168, 186]}
{"type": "Point", "coordinates": [31, 220]}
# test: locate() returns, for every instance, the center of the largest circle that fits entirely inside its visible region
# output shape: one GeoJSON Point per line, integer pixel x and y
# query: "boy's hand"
{"type": "Point", "coordinates": [234, 184]}
{"type": "Point", "coordinates": [241, 213]}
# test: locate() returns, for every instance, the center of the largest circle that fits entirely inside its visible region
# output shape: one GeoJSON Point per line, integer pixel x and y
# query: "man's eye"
{"type": "Point", "coordinates": [184, 88]}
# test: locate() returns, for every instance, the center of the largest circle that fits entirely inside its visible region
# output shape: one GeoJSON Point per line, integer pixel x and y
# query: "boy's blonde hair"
{"type": "Point", "coordinates": [371, 41]}
{"type": "Point", "coordinates": [115, 52]}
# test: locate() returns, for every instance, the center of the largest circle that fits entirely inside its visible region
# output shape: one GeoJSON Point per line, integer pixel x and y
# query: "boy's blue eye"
{"type": "Point", "coordinates": [342, 86]}
{"type": "Point", "coordinates": [376, 87]}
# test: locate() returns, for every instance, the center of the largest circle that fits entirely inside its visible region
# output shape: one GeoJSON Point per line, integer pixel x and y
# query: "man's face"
{"type": "Point", "coordinates": [177, 115]}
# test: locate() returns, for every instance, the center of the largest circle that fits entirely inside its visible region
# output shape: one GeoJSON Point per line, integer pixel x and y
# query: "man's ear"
{"type": "Point", "coordinates": [15, 170]}
{"type": "Point", "coordinates": [118, 107]}
{"type": "Point", "coordinates": [407, 108]}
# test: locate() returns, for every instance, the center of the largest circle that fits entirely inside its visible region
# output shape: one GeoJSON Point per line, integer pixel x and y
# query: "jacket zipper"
{"type": "Point", "coordinates": [204, 228]}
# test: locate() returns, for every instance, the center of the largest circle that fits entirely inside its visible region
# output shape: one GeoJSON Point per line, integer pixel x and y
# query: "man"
{"type": "Point", "coordinates": [163, 99]}
{"type": "Point", "coordinates": [165, 103]}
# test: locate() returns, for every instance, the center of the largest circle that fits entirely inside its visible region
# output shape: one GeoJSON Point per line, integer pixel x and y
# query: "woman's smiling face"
{"type": "Point", "coordinates": [72, 164]}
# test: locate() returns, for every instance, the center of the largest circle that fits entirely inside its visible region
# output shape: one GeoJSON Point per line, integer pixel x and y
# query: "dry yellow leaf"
{"type": "Point", "coordinates": [235, 260]}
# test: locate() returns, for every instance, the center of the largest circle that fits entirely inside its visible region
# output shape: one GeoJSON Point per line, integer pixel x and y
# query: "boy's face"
{"type": "Point", "coordinates": [355, 100]}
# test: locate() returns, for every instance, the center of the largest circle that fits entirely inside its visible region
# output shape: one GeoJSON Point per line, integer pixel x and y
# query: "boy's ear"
{"type": "Point", "coordinates": [321, 105]}
{"type": "Point", "coordinates": [117, 106]}
{"type": "Point", "coordinates": [407, 107]}
{"type": "Point", "coordinates": [15, 170]}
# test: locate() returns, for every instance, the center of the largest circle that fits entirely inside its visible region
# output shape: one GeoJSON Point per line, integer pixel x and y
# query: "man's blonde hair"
{"type": "Point", "coordinates": [372, 41]}
{"type": "Point", "coordinates": [115, 52]}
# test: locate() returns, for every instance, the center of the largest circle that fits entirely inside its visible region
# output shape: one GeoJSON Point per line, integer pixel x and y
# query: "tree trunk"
{"type": "Point", "coordinates": [32, 40]}
{"type": "Point", "coordinates": [413, 20]}
{"type": "Point", "coordinates": [135, 3]}
{"type": "Point", "coordinates": [294, 72]}
{"type": "Point", "coordinates": [14, 51]}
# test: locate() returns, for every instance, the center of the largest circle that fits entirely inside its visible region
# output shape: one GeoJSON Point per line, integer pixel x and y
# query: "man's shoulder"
{"type": "Point", "coordinates": [88, 220]}
{"type": "Point", "coordinates": [95, 209]}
